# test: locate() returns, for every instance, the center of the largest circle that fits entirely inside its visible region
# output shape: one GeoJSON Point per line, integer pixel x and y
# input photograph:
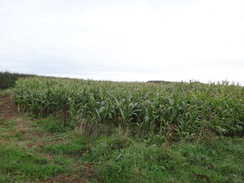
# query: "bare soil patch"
{"type": "Point", "coordinates": [8, 109]}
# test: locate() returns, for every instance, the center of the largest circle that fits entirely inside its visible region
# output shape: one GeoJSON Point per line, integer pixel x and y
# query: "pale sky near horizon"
{"type": "Point", "coordinates": [124, 40]}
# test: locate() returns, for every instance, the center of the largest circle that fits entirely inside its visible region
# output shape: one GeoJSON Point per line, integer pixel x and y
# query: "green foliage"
{"type": "Point", "coordinates": [64, 156]}
{"type": "Point", "coordinates": [176, 110]}
{"type": "Point", "coordinates": [7, 79]}
{"type": "Point", "coordinates": [204, 163]}
{"type": "Point", "coordinates": [76, 147]}
{"type": "Point", "coordinates": [125, 159]}
{"type": "Point", "coordinates": [185, 162]}
{"type": "Point", "coordinates": [18, 165]}
{"type": "Point", "coordinates": [5, 92]}
{"type": "Point", "coordinates": [9, 125]}
{"type": "Point", "coordinates": [49, 125]}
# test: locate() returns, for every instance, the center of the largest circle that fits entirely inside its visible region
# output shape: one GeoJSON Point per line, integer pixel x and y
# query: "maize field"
{"type": "Point", "coordinates": [185, 108]}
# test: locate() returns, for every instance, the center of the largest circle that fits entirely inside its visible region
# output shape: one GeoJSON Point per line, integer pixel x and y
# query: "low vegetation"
{"type": "Point", "coordinates": [180, 110]}
{"type": "Point", "coordinates": [8, 79]}
{"type": "Point", "coordinates": [93, 131]}
{"type": "Point", "coordinates": [40, 153]}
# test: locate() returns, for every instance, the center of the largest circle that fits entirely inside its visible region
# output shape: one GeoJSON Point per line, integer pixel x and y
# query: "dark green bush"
{"type": "Point", "coordinates": [7, 79]}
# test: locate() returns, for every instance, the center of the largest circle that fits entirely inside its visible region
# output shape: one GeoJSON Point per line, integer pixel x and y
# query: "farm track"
{"type": "Point", "coordinates": [32, 138]}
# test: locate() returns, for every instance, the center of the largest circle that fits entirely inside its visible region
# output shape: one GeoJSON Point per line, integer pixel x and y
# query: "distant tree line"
{"type": "Point", "coordinates": [8, 79]}
{"type": "Point", "coordinates": [160, 82]}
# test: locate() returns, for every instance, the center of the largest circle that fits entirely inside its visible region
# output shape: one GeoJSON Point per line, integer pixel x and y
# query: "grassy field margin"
{"type": "Point", "coordinates": [39, 150]}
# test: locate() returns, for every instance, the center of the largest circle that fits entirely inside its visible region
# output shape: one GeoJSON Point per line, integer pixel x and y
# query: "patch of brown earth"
{"type": "Point", "coordinates": [42, 143]}
{"type": "Point", "coordinates": [8, 109]}
{"type": "Point", "coordinates": [37, 143]}
{"type": "Point", "coordinates": [64, 180]}
{"type": "Point", "coordinates": [86, 173]}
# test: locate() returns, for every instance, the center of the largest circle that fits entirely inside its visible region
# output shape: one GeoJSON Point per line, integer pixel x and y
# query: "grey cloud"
{"type": "Point", "coordinates": [103, 37]}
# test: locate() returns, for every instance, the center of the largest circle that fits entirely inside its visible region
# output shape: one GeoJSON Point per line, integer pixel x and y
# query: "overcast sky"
{"type": "Point", "coordinates": [124, 40]}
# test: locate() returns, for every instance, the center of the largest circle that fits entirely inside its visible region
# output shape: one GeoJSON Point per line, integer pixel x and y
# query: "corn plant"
{"type": "Point", "coordinates": [185, 108]}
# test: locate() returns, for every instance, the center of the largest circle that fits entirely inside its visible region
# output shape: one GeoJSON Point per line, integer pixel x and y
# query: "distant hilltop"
{"type": "Point", "coordinates": [171, 82]}
{"type": "Point", "coordinates": [161, 82]}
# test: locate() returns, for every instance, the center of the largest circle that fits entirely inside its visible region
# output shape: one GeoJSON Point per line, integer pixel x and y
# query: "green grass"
{"type": "Point", "coordinates": [9, 124]}
{"type": "Point", "coordinates": [6, 92]}
{"type": "Point", "coordinates": [21, 165]}
{"type": "Point", "coordinates": [126, 159]}
{"type": "Point", "coordinates": [188, 133]}
{"type": "Point", "coordinates": [118, 157]}
{"type": "Point", "coordinates": [49, 125]}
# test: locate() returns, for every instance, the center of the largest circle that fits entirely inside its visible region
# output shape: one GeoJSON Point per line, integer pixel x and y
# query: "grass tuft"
{"type": "Point", "coordinates": [19, 165]}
